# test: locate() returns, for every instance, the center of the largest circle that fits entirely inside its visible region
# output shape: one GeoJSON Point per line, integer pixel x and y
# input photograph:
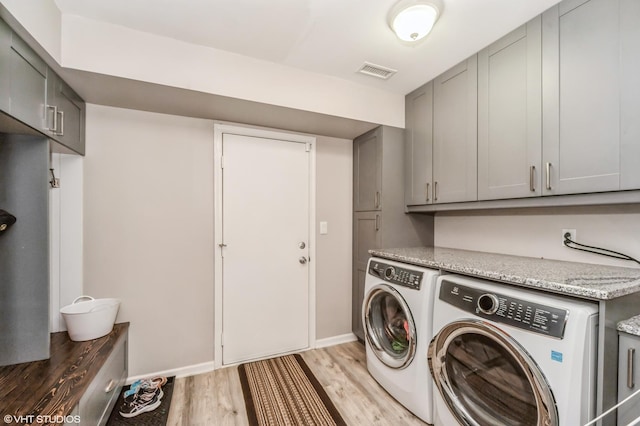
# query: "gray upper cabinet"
{"type": "Point", "coordinates": [591, 134]}
{"type": "Point", "coordinates": [419, 146]}
{"type": "Point", "coordinates": [65, 114]}
{"type": "Point", "coordinates": [367, 171]}
{"type": "Point", "coordinates": [455, 118]}
{"type": "Point", "coordinates": [28, 84]}
{"type": "Point", "coordinates": [5, 67]}
{"type": "Point", "coordinates": [630, 96]}
{"type": "Point", "coordinates": [510, 115]}
{"type": "Point", "coordinates": [33, 94]}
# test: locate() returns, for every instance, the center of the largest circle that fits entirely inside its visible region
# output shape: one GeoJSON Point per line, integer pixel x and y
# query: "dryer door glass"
{"type": "Point", "coordinates": [389, 326]}
{"type": "Point", "coordinates": [487, 378]}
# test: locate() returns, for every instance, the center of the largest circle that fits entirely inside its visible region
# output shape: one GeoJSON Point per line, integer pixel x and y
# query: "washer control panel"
{"type": "Point", "coordinates": [396, 275]}
{"type": "Point", "coordinates": [508, 310]}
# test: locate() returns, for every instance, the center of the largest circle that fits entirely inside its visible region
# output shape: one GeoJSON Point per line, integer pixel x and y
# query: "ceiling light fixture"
{"type": "Point", "coordinates": [412, 20]}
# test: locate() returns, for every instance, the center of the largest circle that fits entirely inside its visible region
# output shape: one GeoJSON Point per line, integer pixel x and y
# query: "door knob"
{"type": "Point", "coordinates": [302, 260]}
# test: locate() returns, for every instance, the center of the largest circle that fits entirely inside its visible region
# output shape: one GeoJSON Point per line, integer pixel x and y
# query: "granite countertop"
{"type": "Point", "coordinates": [630, 326]}
{"type": "Point", "coordinates": [585, 280]}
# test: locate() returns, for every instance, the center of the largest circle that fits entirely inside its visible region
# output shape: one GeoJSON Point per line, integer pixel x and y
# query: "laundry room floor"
{"type": "Point", "coordinates": [215, 398]}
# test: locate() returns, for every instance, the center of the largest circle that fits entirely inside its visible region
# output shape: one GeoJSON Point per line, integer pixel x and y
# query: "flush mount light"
{"type": "Point", "coordinates": [411, 20]}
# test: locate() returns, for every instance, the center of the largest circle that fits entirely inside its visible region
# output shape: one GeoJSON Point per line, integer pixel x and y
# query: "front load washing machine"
{"type": "Point", "coordinates": [398, 300]}
{"type": "Point", "coordinates": [505, 355]}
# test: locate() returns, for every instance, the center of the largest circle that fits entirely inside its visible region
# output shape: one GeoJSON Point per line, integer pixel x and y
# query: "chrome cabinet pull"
{"type": "Point", "coordinates": [61, 132]}
{"type": "Point", "coordinates": [548, 165]}
{"type": "Point", "coordinates": [532, 171]}
{"type": "Point", "coordinates": [377, 200]}
{"type": "Point", "coordinates": [54, 108]}
{"type": "Point", "coordinates": [435, 191]}
{"type": "Point", "coordinates": [426, 192]}
{"type": "Point", "coordinates": [630, 353]}
{"type": "Point", "coordinates": [377, 222]}
{"type": "Point", "coordinates": [111, 386]}
{"type": "Point", "coordinates": [302, 260]}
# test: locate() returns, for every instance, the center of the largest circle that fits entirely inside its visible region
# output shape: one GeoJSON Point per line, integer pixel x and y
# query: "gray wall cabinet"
{"type": "Point", "coordinates": [455, 131]}
{"type": "Point", "coordinates": [419, 146]}
{"type": "Point", "coordinates": [510, 115]}
{"type": "Point", "coordinates": [630, 95]}
{"type": "Point", "coordinates": [590, 57]}
{"type": "Point", "coordinates": [33, 94]}
{"type": "Point", "coordinates": [558, 112]}
{"type": "Point", "coordinates": [389, 225]}
{"type": "Point", "coordinates": [28, 85]}
{"type": "Point", "coordinates": [628, 377]}
{"type": "Point", "coordinates": [5, 66]}
{"type": "Point", "coordinates": [65, 114]}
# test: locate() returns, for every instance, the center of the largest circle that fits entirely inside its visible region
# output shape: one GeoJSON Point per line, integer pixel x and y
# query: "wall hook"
{"type": "Point", "coordinates": [54, 182]}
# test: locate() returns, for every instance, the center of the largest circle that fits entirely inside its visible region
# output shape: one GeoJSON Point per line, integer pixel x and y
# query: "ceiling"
{"type": "Point", "coordinates": [331, 37]}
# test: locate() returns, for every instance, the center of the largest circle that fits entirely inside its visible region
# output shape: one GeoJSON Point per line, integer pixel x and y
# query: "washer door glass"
{"type": "Point", "coordinates": [487, 378]}
{"type": "Point", "coordinates": [389, 326]}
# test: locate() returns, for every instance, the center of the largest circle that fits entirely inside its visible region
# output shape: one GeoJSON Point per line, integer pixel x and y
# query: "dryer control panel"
{"type": "Point", "coordinates": [508, 310]}
{"type": "Point", "coordinates": [396, 275]}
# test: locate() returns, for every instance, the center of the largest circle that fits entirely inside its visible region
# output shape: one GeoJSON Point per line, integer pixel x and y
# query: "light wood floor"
{"type": "Point", "coordinates": [216, 398]}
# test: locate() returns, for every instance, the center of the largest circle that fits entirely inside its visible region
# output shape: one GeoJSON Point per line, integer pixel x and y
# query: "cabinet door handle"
{"type": "Point", "coordinates": [61, 114]}
{"type": "Point", "coordinates": [377, 222]}
{"type": "Point", "coordinates": [630, 353]}
{"type": "Point", "coordinates": [532, 171]}
{"type": "Point", "coordinates": [111, 386]}
{"type": "Point", "coordinates": [548, 165]}
{"type": "Point", "coordinates": [435, 191]}
{"type": "Point", "coordinates": [426, 192]}
{"type": "Point", "coordinates": [377, 200]}
{"type": "Point", "coordinates": [54, 108]}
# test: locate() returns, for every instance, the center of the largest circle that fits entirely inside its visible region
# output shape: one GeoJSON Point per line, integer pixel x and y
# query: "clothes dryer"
{"type": "Point", "coordinates": [397, 318]}
{"type": "Point", "coordinates": [511, 356]}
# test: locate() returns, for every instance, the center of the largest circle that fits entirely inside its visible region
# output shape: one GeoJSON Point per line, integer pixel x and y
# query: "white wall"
{"type": "Point", "coordinates": [537, 232]}
{"type": "Point", "coordinates": [110, 49]}
{"type": "Point", "coordinates": [42, 19]}
{"type": "Point", "coordinates": [65, 230]}
{"type": "Point", "coordinates": [148, 232]}
{"type": "Point", "coordinates": [334, 205]}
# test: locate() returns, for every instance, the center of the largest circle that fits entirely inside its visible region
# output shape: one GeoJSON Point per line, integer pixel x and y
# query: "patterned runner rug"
{"type": "Point", "coordinates": [282, 391]}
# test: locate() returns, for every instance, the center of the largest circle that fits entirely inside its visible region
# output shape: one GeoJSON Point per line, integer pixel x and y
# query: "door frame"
{"type": "Point", "coordinates": [219, 129]}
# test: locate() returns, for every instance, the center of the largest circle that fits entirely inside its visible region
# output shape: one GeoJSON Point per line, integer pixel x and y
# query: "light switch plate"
{"type": "Point", "coordinates": [324, 228]}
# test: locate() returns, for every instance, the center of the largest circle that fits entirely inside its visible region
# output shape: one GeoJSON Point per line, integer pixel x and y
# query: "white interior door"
{"type": "Point", "coordinates": [265, 230]}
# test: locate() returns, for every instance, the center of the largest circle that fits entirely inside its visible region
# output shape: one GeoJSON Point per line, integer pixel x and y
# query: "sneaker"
{"type": "Point", "coordinates": [135, 386]}
{"type": "Point", "coordinates": [147, 399]}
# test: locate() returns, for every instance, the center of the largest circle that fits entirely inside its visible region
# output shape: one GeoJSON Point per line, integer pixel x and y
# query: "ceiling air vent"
{"type": "Point", "coordinates": [376, 71]}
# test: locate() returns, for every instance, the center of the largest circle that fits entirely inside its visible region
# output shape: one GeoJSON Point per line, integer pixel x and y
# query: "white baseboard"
{"type": "Point", "coordinates": [190, 370]}
{"type": "Point", "coordinates": [336, 340]}
{"type": "Point", "coordinates": [205, 367]}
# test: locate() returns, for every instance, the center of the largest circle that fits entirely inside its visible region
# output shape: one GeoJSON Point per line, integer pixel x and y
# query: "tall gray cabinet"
{"type": "Point", "coordinates": [379, 219]}
{"type": "Point", "coordinates": [24, 249]}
